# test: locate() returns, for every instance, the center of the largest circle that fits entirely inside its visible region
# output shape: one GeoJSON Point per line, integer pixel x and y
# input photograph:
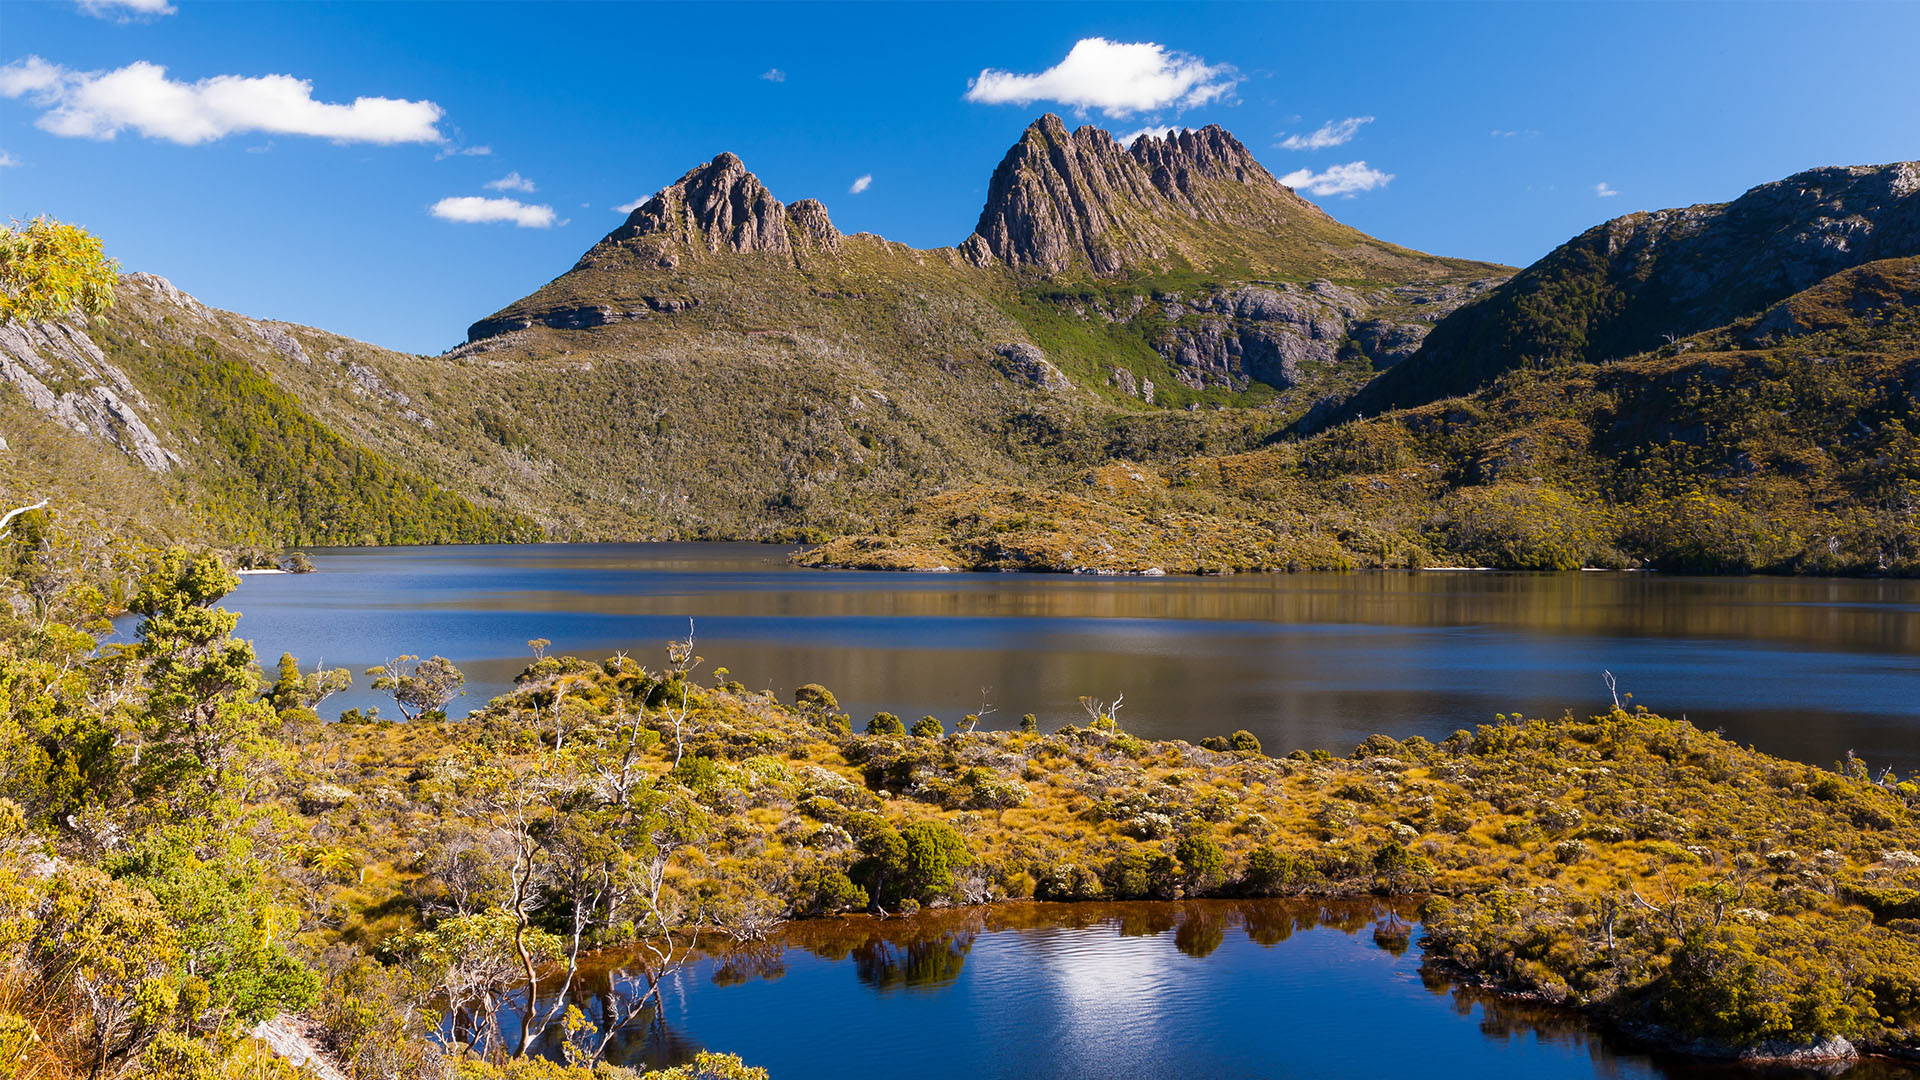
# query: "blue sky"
{"type": "Point", "coordinates": [1491, 126]}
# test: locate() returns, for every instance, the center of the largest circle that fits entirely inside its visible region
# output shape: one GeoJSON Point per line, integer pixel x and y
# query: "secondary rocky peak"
{"type": "Point", "coordinates": [721, 206]}
{"type": "Point", "coordinates": [811, 225]}
{"type": "Point", "coordinates": [1060, 197]}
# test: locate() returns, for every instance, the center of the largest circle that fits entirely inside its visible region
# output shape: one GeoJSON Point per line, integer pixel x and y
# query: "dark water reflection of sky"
{"type": "Point", "coordinates": [1807, 668]}
{"type": "Point", "coordinates": [1235, 990]}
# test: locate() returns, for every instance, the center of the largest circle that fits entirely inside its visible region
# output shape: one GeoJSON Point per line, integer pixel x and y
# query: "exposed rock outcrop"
{"type": "Point", "coordinates": [1061, 198]}
{"type": "Point", "coordinates": [1280, 333]}
{"type": "Point", "coordinates": [581, 317]}
{"type": "Point", "coordinates": [103, 403]}
{"type": "Point", "coordinates": [1029, 365]}
{"type": "Point", "coordinates": [719, 206]}
{"type": "Point", "coordinates": [1065, 201]}
{"type": "Point", "coordinates": [812, 227]}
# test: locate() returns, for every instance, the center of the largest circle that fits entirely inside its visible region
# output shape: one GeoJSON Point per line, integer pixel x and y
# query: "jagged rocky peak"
{"type": "Point", "coordinates": [811, 226]}
{"type": "Point", "coordinates": [720, 206]}
{"type": "Point", "coordinates": [1061, 197]}
{"type": "Point", "coordinates": [1211, 152]}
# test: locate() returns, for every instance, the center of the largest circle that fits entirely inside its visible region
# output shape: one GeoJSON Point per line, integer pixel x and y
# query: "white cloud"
{"type": "Point", "coordinates": [99, 105]}
{"type": "Point", "coordinates": [8, 161]}
{"type": "Point", "coordinates": [125, 9]}
{"type": "Point", "coordinates": [1332, 133]}
{"type": "Point", "coordinates": [1337, 180]}
{"type": "Point", "coordinates": [478, 209]}
{"type": "Point", "coordinates": [628, 208]}
{"type": "Point", "coordinates": [1604, 190]}
{"type": "Point", "coordinates": [1516, 133]}
{"type": "Point", "coordinates": [774, 75]}
{"type": "Point", "coordinates": [1156, 132]}
{"type": "Point", "coordinates": [1118, 78]}
{"type": "Point", "coordinates": [861, 184]}
{"type": "Point", "coordinates": [513, 181]}
{"type": "Point", "coordinates": [29, 76]}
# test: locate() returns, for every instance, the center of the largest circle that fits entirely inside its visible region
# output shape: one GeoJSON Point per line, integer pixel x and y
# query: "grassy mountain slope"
{"type": "Point", "coordinates": [1714, 453]}
{"type": "Point", "coordinates": [1624, 286]}
{"type": "Point", "coordinates": [165, 418]}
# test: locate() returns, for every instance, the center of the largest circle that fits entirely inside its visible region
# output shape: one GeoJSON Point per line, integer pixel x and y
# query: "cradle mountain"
{"type": "Point", "coordinates": [1152, 356]}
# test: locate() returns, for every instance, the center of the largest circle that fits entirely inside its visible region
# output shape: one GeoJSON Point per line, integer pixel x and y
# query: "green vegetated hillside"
{"type": "Point", "coordinates": [168, 419]}
{"type": "Point", "coordinates": [1626, 285]}
{"type": "Point", "coordinates": [1111, 373]}
{"type": "Point", "coordinates": [1784, 442]}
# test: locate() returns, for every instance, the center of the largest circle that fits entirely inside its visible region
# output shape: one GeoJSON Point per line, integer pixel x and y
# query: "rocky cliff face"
{"type": "Point", "coordinates": [93, 397]}
{"type": "Point", "coordinates": [1623, 286]}
{"type": "Point", "coordinates": [1278, 333]}
{"type": "Point", "coordinates": [1065, 202]}
{"type": "Point", "coordinates": [1062, 198]}
{"type": "Point", "coordinates": [1286, 335]}
{"type": "Point", "coordinates": [720, 206]}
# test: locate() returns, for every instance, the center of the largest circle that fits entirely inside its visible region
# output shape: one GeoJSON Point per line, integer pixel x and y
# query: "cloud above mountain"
{"type": "Point", "coordinates": [480, 210]}
{"type": "Point", "coordinates": [140, 96]}
{"type": "Point", "coordinates": [513, 181]}
{"type": "Point", "coordinates": [1348, 179]}
{"type": "Point", "coordinates": [1330, 134]}
{"type": "Point", "coordinates": [125, 10]}
{"type": "Point", "coordinates": [1117, 78]}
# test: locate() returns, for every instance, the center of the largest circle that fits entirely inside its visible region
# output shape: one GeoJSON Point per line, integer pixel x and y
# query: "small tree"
{"type": "Point", "coordinates": [928, 727]}
{"type": "Point", "coordinates": [293, 691]}
{"type": "Point", "coordinates": [49, 269]}
{"type": "Point", "coordinates": [885, 723]}
{"type": "Point", "coordinates": [419, 687]}
{"type": "Point", "coordinates": [1202, 864]}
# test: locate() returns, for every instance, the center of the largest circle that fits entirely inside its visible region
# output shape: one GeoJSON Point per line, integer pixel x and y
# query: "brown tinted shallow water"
{"type": "Point", "coordinates": [1031, 991]}
{"type": "Point", "coordinates": [1806, 668]}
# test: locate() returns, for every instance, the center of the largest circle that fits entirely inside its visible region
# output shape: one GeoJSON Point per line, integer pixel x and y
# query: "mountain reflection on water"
{"type": "Point", "coordinates": [1804, 668]}
{"type": "Point", "coordinates": [1233, 989]}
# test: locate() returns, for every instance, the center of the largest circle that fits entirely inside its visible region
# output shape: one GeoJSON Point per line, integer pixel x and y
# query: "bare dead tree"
{"type": "Point", "coordinates": [7, 521]}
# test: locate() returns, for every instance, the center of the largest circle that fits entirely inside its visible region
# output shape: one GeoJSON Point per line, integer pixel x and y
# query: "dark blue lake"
{"type": "Point", "coordinates": [1222, 990]}
{"type": "Point", "coordinates": [1806, 668]}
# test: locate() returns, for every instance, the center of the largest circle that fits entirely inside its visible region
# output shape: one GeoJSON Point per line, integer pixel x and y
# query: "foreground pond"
{"type": "Point", "coordinates": [1805, 668]}
{"type": "Point", "coordinates": [1216, 989]}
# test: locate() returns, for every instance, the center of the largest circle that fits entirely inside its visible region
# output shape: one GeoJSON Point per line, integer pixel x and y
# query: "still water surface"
{"type": "Point", "coordinates": [1218, 989]}
{"type": "Point", "coordinates": [1807, 668]}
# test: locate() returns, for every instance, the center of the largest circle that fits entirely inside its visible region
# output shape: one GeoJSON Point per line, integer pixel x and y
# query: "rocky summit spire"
{"type": "Point", "coordinates": [720, 206]}
{"type": "Point", "coordinates": [1062, 198]}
